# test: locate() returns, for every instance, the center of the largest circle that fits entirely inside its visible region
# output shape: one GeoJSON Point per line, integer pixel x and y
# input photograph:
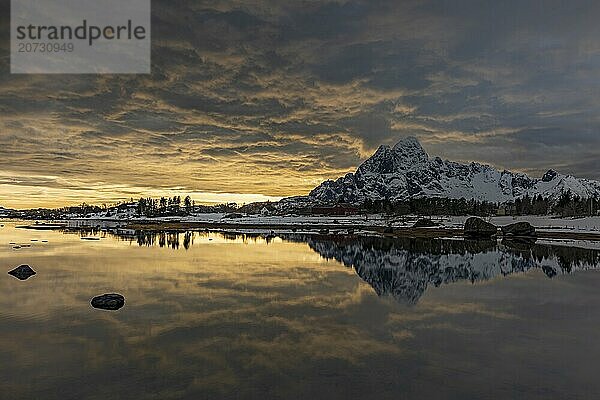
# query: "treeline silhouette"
{"type": "Point", "coordinates": [568, 205]}
{"type": "Point", "coordinates": [174, 206]}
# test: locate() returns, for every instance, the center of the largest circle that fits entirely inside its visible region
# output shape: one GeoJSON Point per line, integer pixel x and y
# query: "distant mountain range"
{"type": "Point", "coordinates": [406, 171]}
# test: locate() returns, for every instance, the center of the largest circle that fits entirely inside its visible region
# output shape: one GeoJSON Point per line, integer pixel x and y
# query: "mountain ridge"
{"type": "Point", "coordinates": [405, 171]}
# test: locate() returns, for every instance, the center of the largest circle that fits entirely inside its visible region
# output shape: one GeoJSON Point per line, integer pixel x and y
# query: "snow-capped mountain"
{"type": "Point", "coordinates": [406, 171]}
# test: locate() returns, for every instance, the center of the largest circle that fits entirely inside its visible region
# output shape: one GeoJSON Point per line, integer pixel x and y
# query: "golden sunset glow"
{"type": "Point", "coordinates": [252, 101]}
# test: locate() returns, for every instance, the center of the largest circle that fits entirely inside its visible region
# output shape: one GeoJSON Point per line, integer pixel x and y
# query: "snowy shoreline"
{"type": "Point", "coordinates": [541, 223]}
{"type": "Point", "coordinates": [580, 232]}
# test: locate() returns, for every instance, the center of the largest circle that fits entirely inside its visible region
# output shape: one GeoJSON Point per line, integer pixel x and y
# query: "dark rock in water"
{"type": "Point", "coordinates": [424, 223]}
{"type": "Point", "coordinates": [112, 301]}
{"type": "Point", "coordinates": [519, 229]}
{"type": "Point", "coordinates": [22, 272]}
{"type": "Point", "coordinates": [476, 227]}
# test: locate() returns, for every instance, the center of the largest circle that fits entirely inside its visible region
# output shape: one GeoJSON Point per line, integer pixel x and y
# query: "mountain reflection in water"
{"type": "Point", "coordinates": [404, 268]}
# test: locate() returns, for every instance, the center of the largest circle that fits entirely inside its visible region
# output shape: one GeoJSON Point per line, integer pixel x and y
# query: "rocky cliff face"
{"type": "Point", "coordinates": [406, 171]}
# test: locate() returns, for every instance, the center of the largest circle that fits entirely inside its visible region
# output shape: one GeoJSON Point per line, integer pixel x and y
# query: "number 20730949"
{"type": "Point", "coordinates": [34, 47]}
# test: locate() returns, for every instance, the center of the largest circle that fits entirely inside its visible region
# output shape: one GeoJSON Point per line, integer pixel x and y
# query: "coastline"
{"type": "Point", "coordinates": [433, 233]}
{"type": "Point", "coordinates": [547, 227]}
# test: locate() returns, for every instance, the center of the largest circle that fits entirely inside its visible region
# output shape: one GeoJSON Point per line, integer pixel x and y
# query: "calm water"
{"type": "Point", "coordinates": [209, 316]}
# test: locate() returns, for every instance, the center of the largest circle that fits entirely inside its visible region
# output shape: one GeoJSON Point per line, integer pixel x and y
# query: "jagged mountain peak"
{"type": "Point", "coordinates": [410, 150]}
{"type": "Point", "coordinates": [406, 171]}
{"type": "Point", "coordinates": [406, 154]}
{"type": "Point", "coordinates": [411, 143]}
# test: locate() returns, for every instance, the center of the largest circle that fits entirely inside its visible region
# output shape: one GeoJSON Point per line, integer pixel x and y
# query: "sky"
{"type": "Point", "coordinates": [256, 100]}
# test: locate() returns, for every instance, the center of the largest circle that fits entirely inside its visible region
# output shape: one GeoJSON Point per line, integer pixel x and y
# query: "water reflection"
{"type": "Point", "coordinates": [256, 317]}
{"type": "Point", "coordinates": [404, 268]}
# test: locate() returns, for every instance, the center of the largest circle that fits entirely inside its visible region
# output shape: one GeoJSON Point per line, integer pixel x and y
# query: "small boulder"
{"type": "Point", "coordinates": [476, 227]}
{"type": "Point", "coordinates": [111, 301]}
{"type": "Point", "coordinates": [22, 272]}
{"type": "Point", "coordinates": [424, 223]}
{"type": "Point", "coordinates": [519, 229]}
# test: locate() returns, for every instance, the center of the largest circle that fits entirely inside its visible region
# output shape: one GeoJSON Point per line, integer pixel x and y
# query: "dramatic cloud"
{"type": "Point", "coordinates": [267, 98]}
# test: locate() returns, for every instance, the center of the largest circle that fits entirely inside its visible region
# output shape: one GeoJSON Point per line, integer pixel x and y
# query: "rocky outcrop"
{"type": "Point", "coordinates": [476, 227]}
{"type": "Point", "coordinates": [111, 301]}
{"type": "Point", "coordinates": [22, 272]}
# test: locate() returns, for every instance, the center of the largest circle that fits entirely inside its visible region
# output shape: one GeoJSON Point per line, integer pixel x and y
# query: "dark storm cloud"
{"type": "Point", "coordinates": [376, 123]}
{"type": "Point", "coordinates": [405, 65]}
{"type": "Point", "coordinates": [324, 20]}
{"type": "Point", "coordinates": [247, 93]}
